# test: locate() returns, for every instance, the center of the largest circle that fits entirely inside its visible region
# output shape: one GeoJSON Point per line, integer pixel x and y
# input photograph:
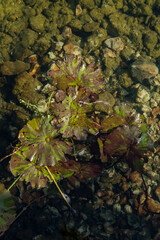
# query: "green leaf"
{"type": "Point", "coordinates": [32, 173]}
{"type": "Point", "coordinates": [73, 72]}
{"type": "Point", "coordinates": [40, 140]}
{"type": "Point", "coordinates": [112, 122]}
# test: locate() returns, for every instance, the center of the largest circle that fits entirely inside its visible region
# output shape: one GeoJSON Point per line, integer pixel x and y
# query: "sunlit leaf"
{"type": "Point", "coordinates": [32, 173]}
{"type": "Point", "coordinates": [73, 72]}
{"type": "Point", "coordinates": [40, 139]}
{"type": "Point", "coordinates": [114, 121]}
{"type": "Point", "coordinates": [73, 116]}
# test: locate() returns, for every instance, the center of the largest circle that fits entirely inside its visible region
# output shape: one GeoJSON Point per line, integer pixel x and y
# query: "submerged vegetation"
{"type": "Point", "coordinates": [46, 150]}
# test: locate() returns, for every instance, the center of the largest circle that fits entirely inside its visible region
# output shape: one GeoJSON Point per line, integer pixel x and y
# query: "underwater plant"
{"type": "Point", "coordinates": [39, 138]}
{"type": "Point", "coordinates": [73, 72]}
{"type": "Point", "coordinates": [40, 147]}
{"type": "Point", "coordinates": [46, 149]}
{"type": "Point", "coordinates": [124, 137]}
{"type": "Point", "coordinates": [75, 115]}
{"type": "Point", "coordinates": [7, 209]}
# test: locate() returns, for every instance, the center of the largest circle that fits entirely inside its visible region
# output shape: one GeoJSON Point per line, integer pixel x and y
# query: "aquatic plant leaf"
{"type": "Point", "coordinates": [129, 144]}
{"type": "Point", "coordinates": [87, 170]}
{"type": "Point", "coordinates": [114, 121]}
{"type": "Point", "coordinates": [73, 116]}
{"type": "Point", "coordinates": [80, 170]}
{"type": "Point", "coordinates": [103, 156]}
{"type": "Point", "coordinates": [7, 209]}
{"type": "Point", "coordinates": [73, 72]}
{"type": "Point", "coordinates": [62, 169]}
{"type": "Point", "coordinates": [116, 143]}
{"type": "Point", "coordinates": [40, 139]}
{"type": "Point", "coordinates": [32, 173]}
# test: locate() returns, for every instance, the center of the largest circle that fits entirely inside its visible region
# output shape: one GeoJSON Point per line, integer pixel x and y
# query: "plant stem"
{"type": "Point", "coordinates": [14, 183]}
{"type": "Point", "coordinates": [58, 187]}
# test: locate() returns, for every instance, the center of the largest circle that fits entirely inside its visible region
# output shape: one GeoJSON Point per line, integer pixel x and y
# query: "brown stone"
{"type": "Point", "coordinates": [142, 210]}
{"type": "Point", "coordinates": [153, 206]}
{"type": "Point", "coordinates": [142, 69]}
{"type": "Point", "coordinates": [72, 49]}
{"type": "Point", "coordinates": [142, 198]}
{"type": "Point", "coordinates": [78, 10]}
{"type": "Point", "coordinates": [115, 44]}
{"type": "Point", "coordinates": [123, 200]}
{"type": "Point", "coordinates": [108, 53]}
{"type": "Point", "coordinates": [157, 192]}
{"type": "Point", "coordinates": [134, 176]}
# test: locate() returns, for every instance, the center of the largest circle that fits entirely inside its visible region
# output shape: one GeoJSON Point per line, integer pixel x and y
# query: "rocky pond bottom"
{"type": "Point", "coordinates": [102, 211]}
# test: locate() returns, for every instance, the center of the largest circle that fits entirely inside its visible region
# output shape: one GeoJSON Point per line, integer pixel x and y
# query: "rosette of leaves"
{"type": "Point", "coordinates": [73, 72]}
{"type": "Point", "coordinates": [125, 138]}
{"type": "Point", "coordinates": [40, 147]}
{"type": "Point", "coordinates": [7, 209]}
{"type": "Point", "coordinates": [73, 116]}
{"type": "Point", "coordinates": [39, 138]}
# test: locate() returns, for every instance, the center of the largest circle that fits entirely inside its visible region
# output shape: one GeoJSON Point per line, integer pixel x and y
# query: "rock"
{"type": "Point", "coordinates": [78, 10]}
{"type": "Point", "coordinates": [108, 9]}
{"type": "Point", "coordinates": [118, 25]}
{"type": "Point", "coordinates": [14, 68]}
{"type": "Point", "coordinates": [153, 206]}
{"type": "Point", "coordinates": [72, 49]}
{"type": "Point", "coordinates": [157, 192]}
{"type": "Point", "coordinates": [24, 88]}
{"type": "Point", "coordinates": [117, 207]}
{"type": "Point", "coordinates": [115, 44]}
{"type": "Point", "coordinates": [157, 25]}
{"type": "Point", "coordinates": [37, 22]}
{"type": "Point", "coordinates": [105, 102]}
{"type": "Point", "coordinates": [91, 26]}
{"type": "Point", "coordinates": [128, 209]}
{"type": "Point", "coordinates": [28, 37]}
{"type": "Point", "coordinates": [76, 24]}
{"type": "Point", "coordinates": [67, 32]}
{"type": "Point", "coordinates": [150, 40]}
{"type": "Point", "coordinates": [95, 40]}
{"type": "Point", "coordinates": [143, 95]}
{"type": "Point", "coordinates": [125, 80]}
{"type": "Point", "coordinates": [134, 176]}
{"type": "Point", "coordinates": [143, 69]}
{"type": "Point", "coordinates": [97, 14]}
{"type": "Point", "coordinates": [108, 53]}
{"type": "Point", "coordinates": [156, 97]}
{"type": "Point", "coordinates": [87, 3]}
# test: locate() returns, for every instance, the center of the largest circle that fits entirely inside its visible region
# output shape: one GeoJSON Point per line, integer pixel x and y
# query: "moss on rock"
{"type": "Point", "coordinates": [87, 3]}
{"type": "Point", "coordinates": [118, 25]}
{"type": "Point", "coordinates": [25, 88]}
{"type": "Point", "coordinates": [97, 14]}
{"type": "Point", "coordinates": [150, 40]}
{"type": "Point", "coordinates": [37, 22]}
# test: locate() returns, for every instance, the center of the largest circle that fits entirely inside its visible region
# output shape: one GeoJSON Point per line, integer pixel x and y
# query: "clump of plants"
{"type": "Point", "coordinates": [46, 151]}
